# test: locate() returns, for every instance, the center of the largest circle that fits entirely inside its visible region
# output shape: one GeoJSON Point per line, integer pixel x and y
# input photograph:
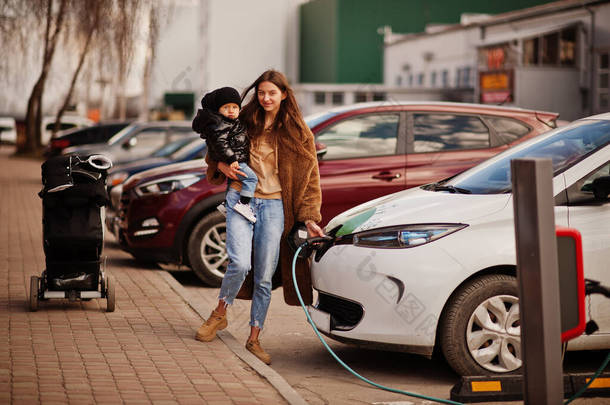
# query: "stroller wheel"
{"type": "Point", "coordinates": [34, 281]}
{"type": "Point", "coordinates": [109, 294]}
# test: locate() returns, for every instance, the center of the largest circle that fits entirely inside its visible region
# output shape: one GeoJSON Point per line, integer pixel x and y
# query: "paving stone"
{"type": "Point", "coordinates": [76, 353]}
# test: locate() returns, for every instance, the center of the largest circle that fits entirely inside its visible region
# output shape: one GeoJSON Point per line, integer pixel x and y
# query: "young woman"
{"type": "Point", "coordinates": [283, 156]}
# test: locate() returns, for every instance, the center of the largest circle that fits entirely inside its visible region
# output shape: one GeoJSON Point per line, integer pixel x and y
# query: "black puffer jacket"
{"type": "Point", "coordinates": [227, 139]}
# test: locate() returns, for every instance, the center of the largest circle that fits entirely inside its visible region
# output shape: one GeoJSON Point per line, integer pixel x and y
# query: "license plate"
{"type": "Point", "coordinates": [320, 318]}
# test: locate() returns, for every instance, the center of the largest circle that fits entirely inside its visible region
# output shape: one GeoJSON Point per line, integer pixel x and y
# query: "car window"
{"type": "Point", "coordinates": [565, 147]}
{"type": "Point", "coordinates": [171, 147]}
{"type": "Point", "coordinates": [178, 133]}
{"type": "Point", "coordinates": [593, 188]}
{"type": "Point", "coordinates": [508, 130]}
{"type": "Point", "coordinates": [362, 136]}
{"type": "Point", "coordinates": [440, 132]}
{"type": "Point", "coordinates": [189, 148]}
{"type": "Point", "coordinates": [151, 138]}
{"type": "Point", "coordinates": [62, 126]}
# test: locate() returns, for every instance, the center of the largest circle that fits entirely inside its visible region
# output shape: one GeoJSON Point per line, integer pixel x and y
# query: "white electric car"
{"type": "Point", "coordinates": [436, 265]}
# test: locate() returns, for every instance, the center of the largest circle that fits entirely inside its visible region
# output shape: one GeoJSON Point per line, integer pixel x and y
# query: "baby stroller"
{"type": "Point", "coordinates": [73, 198]}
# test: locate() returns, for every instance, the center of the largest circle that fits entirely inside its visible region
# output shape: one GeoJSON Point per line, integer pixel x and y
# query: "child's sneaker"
{"type": "Point", "coordinates": [222, 208]}
{"type": "Point", "coordinates": [245, 210]}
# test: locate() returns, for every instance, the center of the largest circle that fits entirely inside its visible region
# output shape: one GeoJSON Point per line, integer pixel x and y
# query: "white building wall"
{"type": "Point", "coordinates": [214, 43]}
{"type": "Point", "coordinates": [446, 51]}
{"type": "Point", "coordinates": [549, 89]}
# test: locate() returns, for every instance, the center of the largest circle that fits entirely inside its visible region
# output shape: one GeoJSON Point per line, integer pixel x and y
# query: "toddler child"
{"type": "Point", "coordinates": [227, 140]}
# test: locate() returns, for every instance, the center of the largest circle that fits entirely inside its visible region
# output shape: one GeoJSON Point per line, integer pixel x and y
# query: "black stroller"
{"type": "Point", "coordinates": [73, 198]}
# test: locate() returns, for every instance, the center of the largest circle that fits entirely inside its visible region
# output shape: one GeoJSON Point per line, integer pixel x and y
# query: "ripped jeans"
{"type": "Point", "coordinates": [255, 246]}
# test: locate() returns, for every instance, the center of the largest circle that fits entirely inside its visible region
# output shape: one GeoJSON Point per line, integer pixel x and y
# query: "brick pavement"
{"type": "Point", "coordinates": [76, 353]}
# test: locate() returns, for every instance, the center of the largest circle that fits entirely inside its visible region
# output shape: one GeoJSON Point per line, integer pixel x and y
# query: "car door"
{"type": "Point", "coordinates": [441, 144]}
{"type": "Point", "coordinates": [364, 159]}
{"type": "Point", "coordinates": [590, 214]}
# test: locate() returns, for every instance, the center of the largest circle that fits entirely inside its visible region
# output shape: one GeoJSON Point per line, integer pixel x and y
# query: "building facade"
{"type": "Point", "coordinates": [342, 40]}
{"type": "Point", "coordinates": [550, 57]}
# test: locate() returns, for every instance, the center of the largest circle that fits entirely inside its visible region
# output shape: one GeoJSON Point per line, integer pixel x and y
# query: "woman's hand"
{"type": "Point", "coordinates": [230, 171]}
{"type": "Point", "coordinates": [313, 229]}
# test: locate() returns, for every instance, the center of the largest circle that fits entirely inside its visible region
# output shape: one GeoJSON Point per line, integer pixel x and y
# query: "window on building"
{"type": "Point", "coordinates": [362, 136]}
{"type": "Point", "coordinates": [557, 48]}
{"type": "Point", "coordinates": [337, 98]}
{"type": "Point", "coordinates": [360, 97]}
{"type": "Point", "coordinates": [445, 78]}
{"type": "Point", "coordinates": [466, 79]}
{"type": "Point", "coordinates": [433, 79]}
{"type": "Point", "coordinates": [530, 51]}
{"type": "Point", "coordinates": [399, 80]}
{"type": "Point", "coordinates": [437, 132]}
{"type": "Point", "coordinates": [420, 79]}
{"type": "Point", "coordinates": [410, 80]}
{"type": "Point", "coordinates": [550, 49]}
{"type": "Point", "coordinates": [379, 96]}
{"type": "Point", "coordinates": [319, 97]}
{"type": "Point", "coordinates": [567, 47]}
{"type": "Point", "coordinates": [603, 81]}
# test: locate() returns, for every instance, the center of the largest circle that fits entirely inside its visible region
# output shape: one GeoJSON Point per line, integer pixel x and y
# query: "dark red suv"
{"type": "Point", "coordinates": [365, 151]}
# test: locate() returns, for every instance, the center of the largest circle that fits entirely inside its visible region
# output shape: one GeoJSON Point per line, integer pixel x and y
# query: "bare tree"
{"type": "Point", "coordinates": [87, 18]}
{"type": "Point", "coordinates": [153, 37]}
{"type": "Point", "coordinates": [124, 35]}
{"type": "Point", "coordinates": [53, 19]}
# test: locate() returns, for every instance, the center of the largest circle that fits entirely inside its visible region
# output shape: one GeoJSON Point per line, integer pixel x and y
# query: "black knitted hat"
{"type": "Point", "coordinates": [219, 97]}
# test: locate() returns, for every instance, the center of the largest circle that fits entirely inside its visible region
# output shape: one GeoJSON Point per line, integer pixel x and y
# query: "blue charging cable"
{"type": "Point", "coordinates": [348, 368]}
{"type": "Point", "coordinates": [410, 394]}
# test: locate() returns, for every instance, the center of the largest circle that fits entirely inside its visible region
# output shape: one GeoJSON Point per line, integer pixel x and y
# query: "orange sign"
{"type": "Point", "coordinates": [494, 81]}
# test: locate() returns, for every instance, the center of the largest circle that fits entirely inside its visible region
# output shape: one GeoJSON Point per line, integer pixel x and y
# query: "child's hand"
{"type": "Point", "coordinates": [234, 165]}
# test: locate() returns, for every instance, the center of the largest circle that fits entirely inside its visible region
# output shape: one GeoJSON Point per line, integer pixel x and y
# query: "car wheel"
{"type": "Point", "coordinates": [480, 328]}
{"type": "Point", "coordinates": [206, 249]}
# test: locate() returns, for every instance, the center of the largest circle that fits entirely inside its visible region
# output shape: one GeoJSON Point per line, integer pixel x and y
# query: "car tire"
{"type": "Point", "coordinates": [480, 328]}
{"type": "Point", "coordinates": [206, 249]}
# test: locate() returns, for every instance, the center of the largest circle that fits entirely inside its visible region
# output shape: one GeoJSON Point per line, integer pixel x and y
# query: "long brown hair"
{"type": "Point", "coordinates": [288, 118]}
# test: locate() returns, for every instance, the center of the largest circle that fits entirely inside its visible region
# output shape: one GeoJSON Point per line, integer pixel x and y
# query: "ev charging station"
{"type": "Point", "coordinates": [550, 276]}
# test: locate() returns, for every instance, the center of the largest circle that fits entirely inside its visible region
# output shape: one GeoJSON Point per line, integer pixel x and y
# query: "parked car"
{"type": "Point", "coordinates": [68, 121]}
{"type": "Point", "coordinates": [8, 134]}
{"type": "Point", "coordinates": [435, 266]}
{"type": "Point", "coordinates": [180, 150]}
{"type": "Point", "coordinates": [137, 140]}
{"type": "Point", "coordinates": [97, 133]}
{"type": "Point", "coordinates": [365, 151]}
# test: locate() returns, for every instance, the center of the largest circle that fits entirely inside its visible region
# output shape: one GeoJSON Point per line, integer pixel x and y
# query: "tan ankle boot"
{"type": "Point", "coordinates": [255, 348]}
{"type": "Point", "coordinates": [207, 331]}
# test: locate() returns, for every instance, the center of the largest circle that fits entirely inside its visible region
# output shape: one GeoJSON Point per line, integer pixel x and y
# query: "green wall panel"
{"type": "Point", "coordinates": [340, 42]}
{"type": "Point", "coordinates": [318, 53]}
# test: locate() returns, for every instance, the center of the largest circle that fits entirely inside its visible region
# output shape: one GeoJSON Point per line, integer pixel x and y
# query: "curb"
{"type": "Point", "coordinates": [276, 380]}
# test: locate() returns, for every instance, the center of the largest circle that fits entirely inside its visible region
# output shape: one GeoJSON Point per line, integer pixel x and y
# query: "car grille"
{"type": "Point", "coordinates": [344, 314]}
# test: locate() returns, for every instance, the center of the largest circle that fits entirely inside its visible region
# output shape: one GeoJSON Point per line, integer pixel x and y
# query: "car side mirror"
{"type": "Point", "coordinates": [601, 188]}
{"type": "Point", "coordinates": [130, 143]}
{"type": "Point", "coordinates": [321, 150]}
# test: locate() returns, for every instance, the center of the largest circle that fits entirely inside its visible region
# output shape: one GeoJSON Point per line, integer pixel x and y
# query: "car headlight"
{"type": "Point", "coordinates": [168, 185]}
{"type": "Point", "coordinates": [117, 178]}
{"type": "Point", "coordinates": [404, 236]}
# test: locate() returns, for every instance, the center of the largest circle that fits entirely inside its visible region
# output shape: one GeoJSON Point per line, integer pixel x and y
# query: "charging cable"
{"type": "Point", "coordinates": [348, 368]}
{"type": "Point", "coordinates": [317, 242]}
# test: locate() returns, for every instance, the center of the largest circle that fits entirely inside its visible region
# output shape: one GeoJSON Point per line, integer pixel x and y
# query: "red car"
{"type": "Point", "coordinates": [365, 151]}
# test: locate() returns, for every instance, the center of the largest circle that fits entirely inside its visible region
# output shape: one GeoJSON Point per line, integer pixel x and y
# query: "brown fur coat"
{"type": "Point", "coordinates": [302, 198]}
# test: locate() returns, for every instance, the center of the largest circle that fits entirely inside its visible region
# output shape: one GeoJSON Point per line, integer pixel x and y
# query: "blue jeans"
{"type": "Point", "coordinates": [249, 181]}
{"type": "Point", "coordinates": [254, 246]}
